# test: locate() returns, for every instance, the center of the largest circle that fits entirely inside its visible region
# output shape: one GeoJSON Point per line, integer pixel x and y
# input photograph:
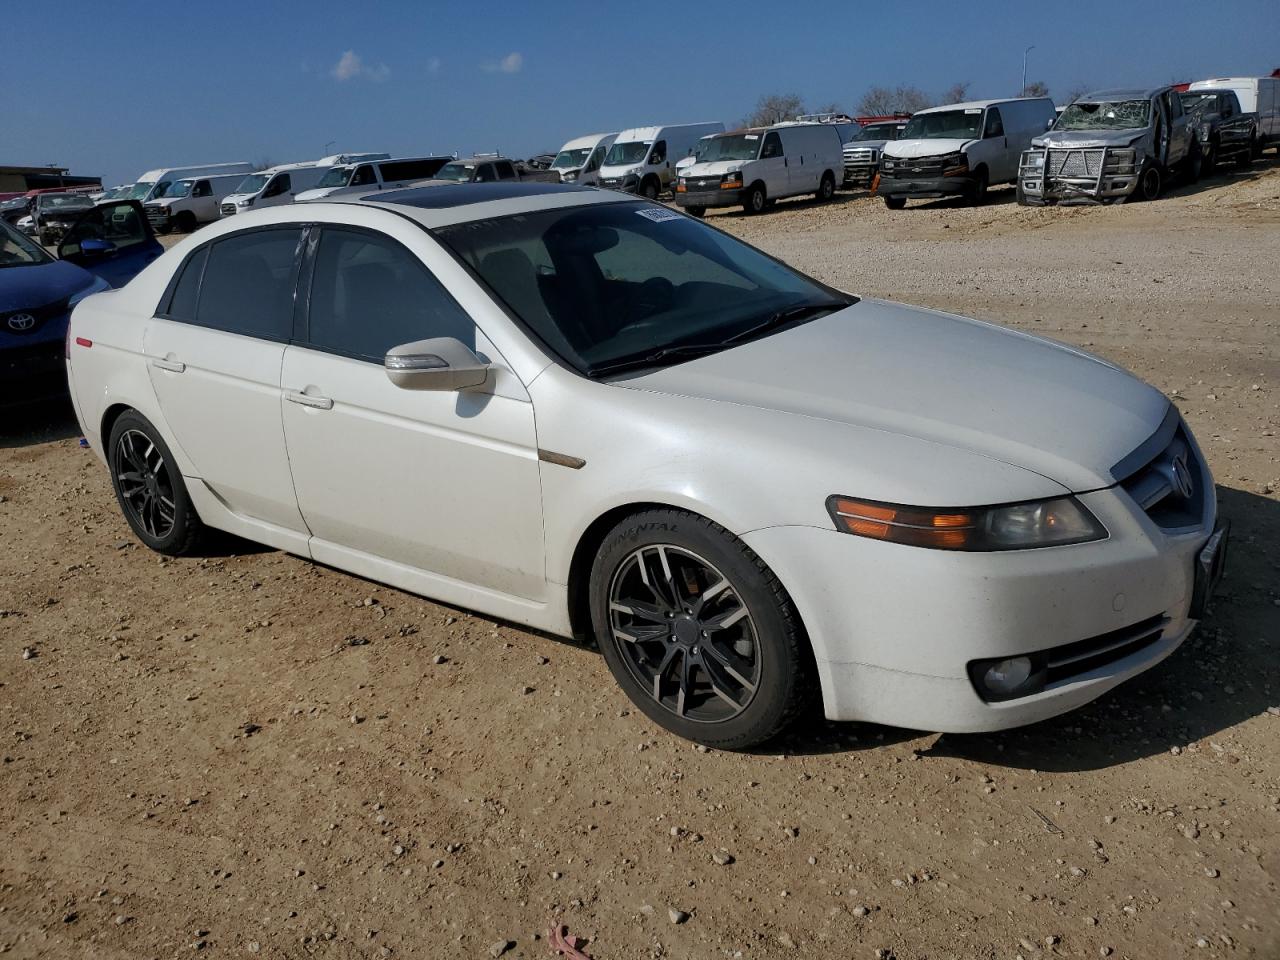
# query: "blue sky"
{"type": "Point", "coordinates": [117, 88]}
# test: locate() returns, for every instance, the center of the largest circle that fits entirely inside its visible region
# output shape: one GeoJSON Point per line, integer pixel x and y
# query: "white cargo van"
{"type": "Point", "coordinates": [273, 186]}
{"type": "Point", "coordinates": [184, 204]}
{"type": "Point", "coordinates": [579, 160]}
{"type": "Point", "coordinates": [758, 165]}
{"type": "Point", "coordinates": [341, 159]}
{"type": "Point", "coordinates": [961, 149]}
{"type": "Point", "coordinates": [150, 183]}
{"type": "Point", "coordinates": [642, 160]}
{"type": "Point", "coordinates": [373, 175]}
{"type": "Point", "coordinates": [1260, 95]}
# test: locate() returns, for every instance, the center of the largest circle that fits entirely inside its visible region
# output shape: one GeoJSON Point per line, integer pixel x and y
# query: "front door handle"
{"type": "Point", "coordinates": [319, 403]}
{"type": "Point", "coordinates": [173, 366]}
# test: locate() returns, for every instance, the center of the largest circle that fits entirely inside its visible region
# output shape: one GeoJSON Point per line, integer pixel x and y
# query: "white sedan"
{"type": "Point", "coordinates": [590, 414]}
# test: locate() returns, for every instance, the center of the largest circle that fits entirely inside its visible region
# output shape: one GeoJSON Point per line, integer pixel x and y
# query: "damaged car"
{"type": "Point", "coordinates": [1225, 131]}
{"type": "Point", "coordinates": [1112, 145]}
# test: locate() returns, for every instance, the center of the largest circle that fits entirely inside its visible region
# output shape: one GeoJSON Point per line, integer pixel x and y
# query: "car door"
{"type": "Point", "coordinates": [214, 350]}
{"type": "Point", "coordinates": [773, 166]}
{"type": "Point", "coordinates": [279, 190]}
{"type": "Point", "coordinates": [995, 148]}
{"type": "Point", "coordinates": [113, 241]}
{"type": "Point", "coordinates": [1181, 133]}
{"type": "Point", "coordinates": [389, 479]}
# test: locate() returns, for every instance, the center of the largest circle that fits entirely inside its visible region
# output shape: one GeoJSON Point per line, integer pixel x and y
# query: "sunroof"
{"type": "Point", "coordinates": [446, 196]}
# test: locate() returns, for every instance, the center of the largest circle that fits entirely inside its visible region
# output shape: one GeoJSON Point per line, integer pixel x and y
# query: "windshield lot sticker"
{"type": "Point", "coordinates": [658, 214]}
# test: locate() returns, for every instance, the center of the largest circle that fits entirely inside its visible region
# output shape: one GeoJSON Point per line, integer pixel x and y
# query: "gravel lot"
{"type": "Point", "coordinates": [247, 753]}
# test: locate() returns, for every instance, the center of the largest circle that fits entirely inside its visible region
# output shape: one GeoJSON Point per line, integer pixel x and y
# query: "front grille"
{"type": "Point", "coordinates": [1173, 486]}
{"type": "Point", "coordinates": [1074, 163]}
{"type": "Point", "coordinates": [157, 214]}
{"type": "Point", "coordinates": [1073, 659]}
{"type": "Point", "coordinates": [228, 209]}
{"type": "Point", "coordinates": [702, 183]}
{"type": "Point", "coordinates": [39, 317]}
{"type": "Point", "coordinates": [859, 155]}
{"type": "Point", "coordinates": [930, 167]}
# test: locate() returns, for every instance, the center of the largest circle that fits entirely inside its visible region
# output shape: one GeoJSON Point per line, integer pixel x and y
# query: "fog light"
{"type": "Point", "coordinates": [1008, 677]}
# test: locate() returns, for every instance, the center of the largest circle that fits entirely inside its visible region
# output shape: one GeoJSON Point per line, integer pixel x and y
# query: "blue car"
{"type": "Point", "coordinates": [104, 248]}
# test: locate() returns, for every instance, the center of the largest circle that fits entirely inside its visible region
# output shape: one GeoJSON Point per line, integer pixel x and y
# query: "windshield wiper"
{"type": "Point", "coordinates": [789, 315]}
{"type": "Point", "coordinates": [686, 350]}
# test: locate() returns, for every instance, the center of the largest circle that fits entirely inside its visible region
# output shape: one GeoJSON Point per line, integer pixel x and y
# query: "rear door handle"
{"type": "Point", "coordinates": [173, 366]}
{"type": "Point", "coordinates": [319, 403]}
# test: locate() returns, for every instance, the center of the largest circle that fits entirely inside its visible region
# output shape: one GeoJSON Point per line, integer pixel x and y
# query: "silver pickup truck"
{"type": "Point", "coordinates": [1110, 146]}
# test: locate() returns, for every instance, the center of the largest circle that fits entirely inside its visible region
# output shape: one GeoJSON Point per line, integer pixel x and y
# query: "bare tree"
{"type": "Point", "coordinates": [774, 108]}
{"type": "Point", "coordinates": [1076, 92]}
{"type": "Point", "coordinates": [879, 101]}
{"type": "Point", "coordinates": [832, 107]}
{"type": "Point", "coordinates": [263, 163]}
{"type": "Point", "coordinates": [1036, 88]}
{"type": "Point", "coordinates": [956, 93]}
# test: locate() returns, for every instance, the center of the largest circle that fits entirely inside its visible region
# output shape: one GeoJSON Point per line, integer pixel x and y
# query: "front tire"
{"type": "Point", "coordinates": [649, 188]}
{"type": "Point", "coordinates": [895, 203]}
{"type": "Point", "coordinates": [150, 488]}
{"type": "Point", "coordinates": [698, 212]}
{"type": "Point", "coordinates": [756, 200]}
{"type": "Point", "coordinates": [978, 195]}
{"type": "Point", "coordinates": [1150, 183]}
{"type": "Point", "coordinates": [697, 631]}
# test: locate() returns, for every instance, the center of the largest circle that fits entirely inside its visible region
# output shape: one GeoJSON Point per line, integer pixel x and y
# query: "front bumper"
{"type": "Point", "coordinates": [32, 372]}
{"type": "Point", "coordinates": [629, 184]}
{"type": "Point", "coordinates": [1086, 175]}
{"type": "Point", "coordinates": [709, 198]}
{"type": "Point", "coordinates": [160, 218]}
{"type": "Point", "coordinates": [894, 628]}
{"type": "Point", "coordinates": [925, 187]}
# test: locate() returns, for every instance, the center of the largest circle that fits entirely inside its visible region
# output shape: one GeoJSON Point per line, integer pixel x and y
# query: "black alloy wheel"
{"type": "Point", "coordinates": [150, 488]}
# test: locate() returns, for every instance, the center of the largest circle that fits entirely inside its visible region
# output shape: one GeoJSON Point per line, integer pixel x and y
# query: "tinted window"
{"type": "Point", "coordinates": [369, 294]}
{"type": "Point", "coordinates": [281, 184]}
{"type": "Point", "coordinates": [505, 170]}
{"type": "Point", "coordinates": [248, 284]}
{"type": "Point", "coordinates": [485, 173]}
{"type": "Point", "coordinates": [182, 305]}
{"type": "Point", "coordinates": [995, 126]}
{"type": "Point", "coordinates": [413, 169]}
{"type": "Point", "coordinates": [772, 146]}
{"type": "Point", "coordinates": [363, 177]}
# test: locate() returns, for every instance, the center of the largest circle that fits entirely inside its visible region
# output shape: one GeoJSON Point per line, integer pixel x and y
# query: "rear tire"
{"type": "Point", "coordinates": [698, 212]}
{"type": "Point", "coordinates": [895, 203]}
{"type": "Point", "coordinates": [149, 487]}
{"type": "Point", "coordinates": [756, 200]}
{"type": "Point", "coordinates": [649, 188]}
{"type": "Point", "coordinates": [826, 189]}
{"type": "Point", "coordinates": [730, 668]}
{"type": "Point", "coordinates": [1246, 157]}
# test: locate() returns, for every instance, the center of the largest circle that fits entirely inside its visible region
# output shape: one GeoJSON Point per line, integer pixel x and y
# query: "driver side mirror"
{"type": "Point", "coordinates": [96, 248]}
{"type": "Point", "coordinates": [442, 363]}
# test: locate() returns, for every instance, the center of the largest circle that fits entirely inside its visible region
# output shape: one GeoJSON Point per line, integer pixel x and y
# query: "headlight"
{"type": "Point", "coordinates": [954, 163]}
{"type": "Point", "coordinates": [569, 175]}
{"type": "Point", "coordinates": [731, 181]}
{"type": "Point", "coordinates": [887, 163]}
{"type": "Point", "coordinates": [246, 202]}
{"type": "Point", "coordinates": [1037, 159]}
{"type": "Point", "coordinates": [1018, 526]}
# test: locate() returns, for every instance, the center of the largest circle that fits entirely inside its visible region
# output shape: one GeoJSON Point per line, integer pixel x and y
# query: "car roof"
{"type": "Point", "coordinates": [973, 104]}
{"type": "Point", "coordinates": [464, 202]}
{"type": "Point", "coordinates": [1123, 93]}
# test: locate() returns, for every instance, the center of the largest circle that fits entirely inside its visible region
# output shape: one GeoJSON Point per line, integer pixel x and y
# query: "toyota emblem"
{"type": "Point", "coordinates": [21, 322]}
{"type": "Point", "coordinates": [1180, 476]}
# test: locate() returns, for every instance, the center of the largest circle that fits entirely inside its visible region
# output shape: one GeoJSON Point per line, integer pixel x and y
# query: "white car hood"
{"type": "Point", "coordinates": [713, 168]}
{"type": "Point", "coordinates": [910, 149]}
{"type": "Point", "coordinates": [1008, 396]}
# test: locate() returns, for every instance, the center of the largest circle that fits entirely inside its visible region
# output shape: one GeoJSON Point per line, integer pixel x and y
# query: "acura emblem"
{"type": "Point", "coordinates": [1180, 476]}
{"type": "Point", "coordinates": [22, 321]}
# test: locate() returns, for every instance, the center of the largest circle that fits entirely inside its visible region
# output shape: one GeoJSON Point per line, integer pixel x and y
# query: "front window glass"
{"type": "Point", "coordinates": [139, 191]}
{"type": "Point", "coordinates": [17, 251]}
{"type": "Point", "coordinates": [944, 125]}
{"type": "Point", "coordinates": [570, 159]}
{"type": "Point", "coordinates": [457, 172]}
{"type": "Point", "coordinates": [255, 182]}
{"type": "Point", "coordinates": [1105, 115]}
{"type": "Point", "coordinates": [626, 153]}
{"type": "Point", "coordinates": [735, 146]}
{"type": "Point", "coordinates": [877, 131]}
{"type": "Point", "coordinates": [336, 177]}
{"type": "Point", "coordinates": [248, 284]}
{"type": "Point", "coordinates": [615, 284]}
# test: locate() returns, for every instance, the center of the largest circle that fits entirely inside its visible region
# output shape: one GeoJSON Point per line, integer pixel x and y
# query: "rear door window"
{"type": "Point", "coordinates": [248, 284]}
{"type": "Point", "coordinates": [505, 170]}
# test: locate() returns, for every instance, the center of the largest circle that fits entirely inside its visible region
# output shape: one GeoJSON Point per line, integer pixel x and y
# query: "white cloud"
{"type": "Point", "coordinates": [434, 65]}
{"type": "Point", "coordinates": [512, 63]}
{"type": "Point", "coordinates": [350, 66]}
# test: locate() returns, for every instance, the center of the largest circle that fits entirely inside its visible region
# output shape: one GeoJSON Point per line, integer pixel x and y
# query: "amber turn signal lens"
{"type": "Point", "coordinates": [944, 530]}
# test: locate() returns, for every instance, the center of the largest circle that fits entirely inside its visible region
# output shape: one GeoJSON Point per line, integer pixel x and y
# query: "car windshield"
{"type": "Point", "coordinates": [174, 189]}
{"type": "Point", "coordinates": [877, 131]}
{"type": "Point", "coordinates": [336, 177]}
{"type": "Point", "coordinates": [733, 146]}
{"type": "Point", "coordinates": [570, 159]}
{"type": "Point", "coordinates": [624, 153]}
{"type": "Point", "coordinates": [945, 125]}
{"type": "Point", "coordinates": [139, 190]}
{"type": "Point", "coordinates": [1105, 115]}
{"type": "Point", "coordinates": [65, 202]}
{"type": "Point", "coordinates": [17, 251]}
{"type": "Point", "coordinates": [618, 284]}
{"type": "Point", "coordinates": [456, 172]}
{"type": "Point", "coordinates": [253, 183]}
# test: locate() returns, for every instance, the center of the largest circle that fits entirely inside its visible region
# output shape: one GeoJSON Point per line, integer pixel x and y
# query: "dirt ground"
{"type": "Point", "coordinates": [247, 753]}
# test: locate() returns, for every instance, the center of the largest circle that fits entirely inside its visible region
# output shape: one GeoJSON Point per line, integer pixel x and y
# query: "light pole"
{"type": "Point", "coordinates": [1024, 69]}
{"type": "Point", "coordinates": [330, 143]}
